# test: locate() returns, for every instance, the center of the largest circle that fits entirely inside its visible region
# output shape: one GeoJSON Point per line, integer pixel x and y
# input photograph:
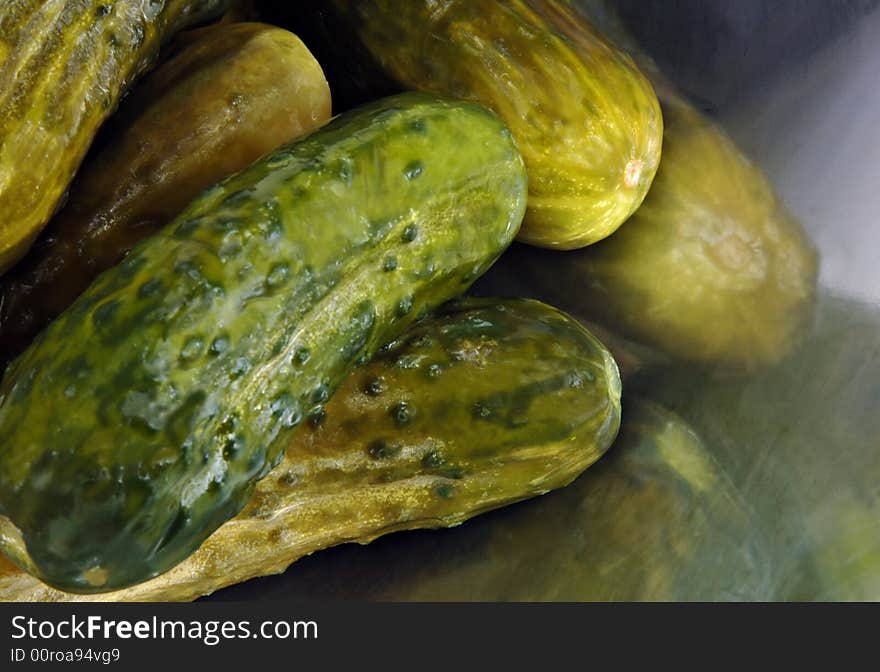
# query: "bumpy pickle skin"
{"type": "Point", "coordinates": [139, 421]}
{"type": "Point", "coordinates": [63, 68]}
{"type": "Point", "coordinates": [585, 118]}
{"type": "Point", "coordinates": [484, 404]}
{"type": "Point", "coordinates": [231, 95]}
{"type": "Point", "coordinates": [656, 518]}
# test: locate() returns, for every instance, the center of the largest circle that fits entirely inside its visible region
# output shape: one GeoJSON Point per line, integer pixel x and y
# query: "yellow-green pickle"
{"type": "Point", "coordinates": [63, 67]}
{"type": "Point", "coordinates": [585, 118]}
{"type": "Point", "coordinates": [487, 403]}
{"type": "Point", "coordinates": [233, 93]}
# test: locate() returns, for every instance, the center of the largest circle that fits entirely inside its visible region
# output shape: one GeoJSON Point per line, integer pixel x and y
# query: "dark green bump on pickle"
{"type": "Point", "coordinates": [67, 465]}
{"type": "Point", "coordinates": [321, 394]}
{"type": "Point", "coordinates": [402, 413]}
{"type": "Point", "coordinates": [410, 233]}
{"type": "Point", "coordinates": [360, 475]}
{"type": "Point", "coordinates": [445, 491]}
{"type": "Point", "coordinates": [317, 416]}
{"type": "Point", "coordinates": [404, 306]}
{"type": "Point", "coordinates": [374, 387]}
{"type": "Point", "coordinates": [413, 170]}
{"type": "Point", "coordinates": [383, 448]}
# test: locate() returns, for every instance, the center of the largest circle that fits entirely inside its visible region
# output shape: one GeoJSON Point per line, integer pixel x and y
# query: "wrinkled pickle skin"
{"type": "Point", "coordinates": [484, 404]}
{"type": "Point", "coordinates": [63, 68]}
{"type": "Point", "coordinates": [139, 420]}
{"type": "Point", "coordinates": [231, 95]}
{"type": "Point", "coordinates": [585, 118]}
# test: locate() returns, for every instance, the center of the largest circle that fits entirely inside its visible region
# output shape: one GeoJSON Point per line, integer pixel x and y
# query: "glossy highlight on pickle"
{"type": "Point", "coordinates": [140, 420]}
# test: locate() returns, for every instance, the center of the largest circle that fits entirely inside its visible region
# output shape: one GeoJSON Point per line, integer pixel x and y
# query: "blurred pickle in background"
{"type": "Point", "coordinates": [802, 443]}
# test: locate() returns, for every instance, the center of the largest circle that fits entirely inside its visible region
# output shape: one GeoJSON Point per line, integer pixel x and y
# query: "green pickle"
{"type": "Point", "coordinates": [486, 403]}
{"type": "Point", "coordinates": [139, 421]}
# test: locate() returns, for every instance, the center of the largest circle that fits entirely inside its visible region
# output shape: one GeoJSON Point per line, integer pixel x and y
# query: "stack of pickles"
{"type": "Point", "coordinates": [237, 330]}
